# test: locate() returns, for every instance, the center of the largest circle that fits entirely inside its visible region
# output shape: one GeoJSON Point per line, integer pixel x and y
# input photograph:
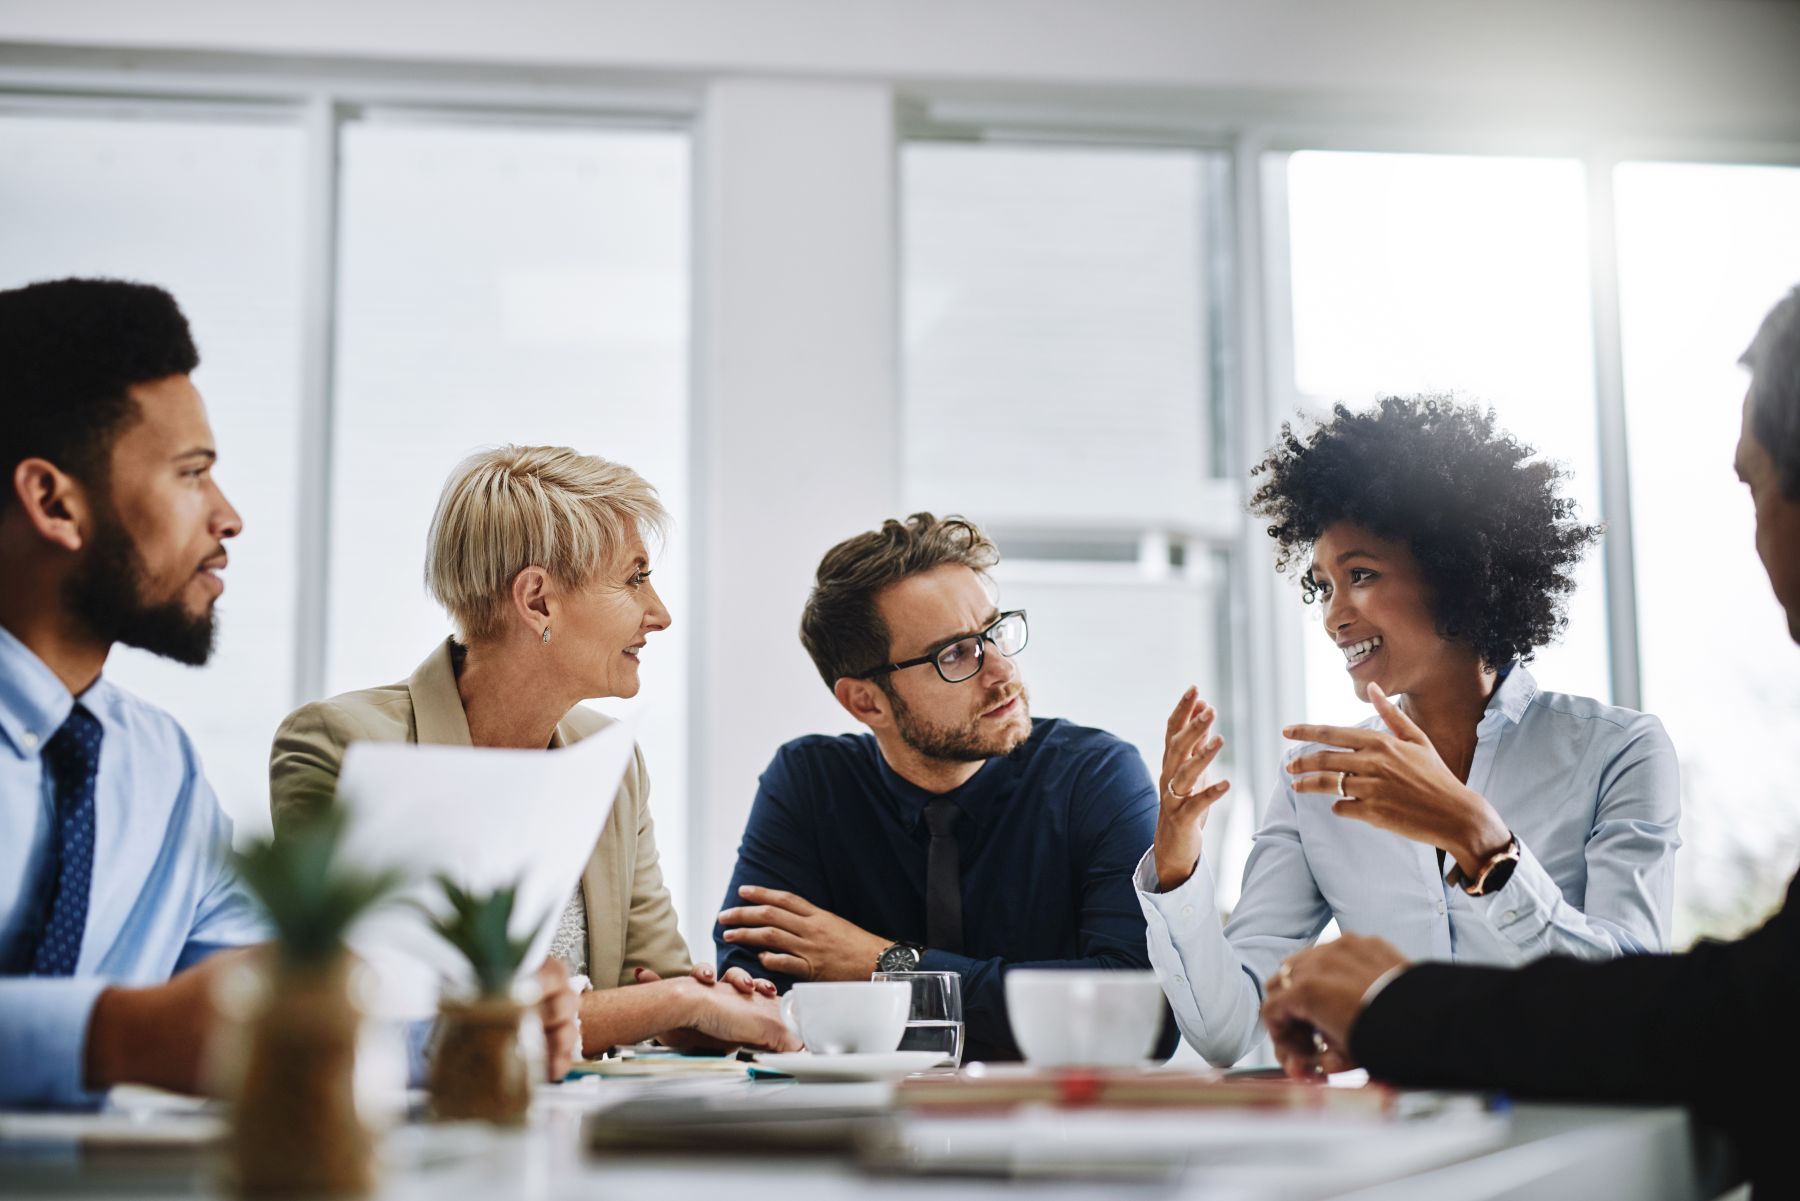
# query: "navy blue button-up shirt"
{"type": "Point", "coordinates": [1047, 841]}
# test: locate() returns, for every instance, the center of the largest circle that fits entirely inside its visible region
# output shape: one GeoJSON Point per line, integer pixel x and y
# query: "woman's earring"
{"type": "Point", "coordinates": [546, 633]}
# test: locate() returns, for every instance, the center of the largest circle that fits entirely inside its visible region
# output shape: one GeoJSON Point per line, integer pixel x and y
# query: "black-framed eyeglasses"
{"type": "Point", "coordinates": [962, 659]}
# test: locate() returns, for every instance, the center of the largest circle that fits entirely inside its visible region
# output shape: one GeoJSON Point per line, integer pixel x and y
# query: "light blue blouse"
{"type": "Point", "coordinates": [1592, 792]}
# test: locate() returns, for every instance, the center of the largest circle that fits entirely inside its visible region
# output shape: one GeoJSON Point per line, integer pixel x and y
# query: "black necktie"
{"type": "Point", "coordinates": [943, 879]}
{"type": "Point", "coordinates": [52, 945]}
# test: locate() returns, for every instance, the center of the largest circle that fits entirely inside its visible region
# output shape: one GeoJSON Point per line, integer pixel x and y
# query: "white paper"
{"type": "Point", "coordinates": [483, 817]}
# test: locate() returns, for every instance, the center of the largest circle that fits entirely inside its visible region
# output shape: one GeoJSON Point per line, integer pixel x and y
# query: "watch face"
{"type": "Point", "coordinates": [1498, 875]}
{"type": "Point", "coordinates": [897, 958]}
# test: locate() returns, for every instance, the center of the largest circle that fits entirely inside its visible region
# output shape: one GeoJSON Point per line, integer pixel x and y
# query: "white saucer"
{"type": "Point", "coordinates": [805, 1065]}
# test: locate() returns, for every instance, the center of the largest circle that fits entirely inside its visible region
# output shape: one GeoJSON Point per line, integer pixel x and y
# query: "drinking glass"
{"type": "Point", "coordinates": [935, 1021]}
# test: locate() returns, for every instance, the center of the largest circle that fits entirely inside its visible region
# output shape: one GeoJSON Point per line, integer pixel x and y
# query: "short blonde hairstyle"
{"type": "Point", "coordinates": [514, 507]}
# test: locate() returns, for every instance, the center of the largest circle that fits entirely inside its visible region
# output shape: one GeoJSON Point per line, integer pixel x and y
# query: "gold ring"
{"type": "Point", "coordinates": [1340, 785]}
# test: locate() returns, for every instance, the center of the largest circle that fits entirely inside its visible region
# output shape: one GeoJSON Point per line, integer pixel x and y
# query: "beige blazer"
{"type": "Point", "coordinates": [631, 920]}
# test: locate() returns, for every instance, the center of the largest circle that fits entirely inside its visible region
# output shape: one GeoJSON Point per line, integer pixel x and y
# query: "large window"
{"type": "Point", "coordinates": [497, 282]}
{"type": "Point", "coordinates": [1441, 274]}
{"type": "Point", "coordinates": [209, 209]}
{"type": "Point", "coordinates": [1704, 252]}
{"type": "Point", "coordinates": [1062, 387]}
{"type": "Point", "coordinates": [506, 285]}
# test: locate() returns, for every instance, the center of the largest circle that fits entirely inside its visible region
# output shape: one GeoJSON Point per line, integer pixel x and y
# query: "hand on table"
{"type": "Point", "coordinates": [799, 939]}
{"type": "Point", "coordinates": [560, 1012]}
{"type": "Point", "coordinates": [737, 977]}
{"type": "Point", "coordinates": [712, 1018]}
{"type": "Point", "coordinates": [692, 1041]}
{"type": "Point", "coordinates": [1398, 782]}
{"type": "Point", "coordinates": [1313, 1001]}
{"type": "Point", "coordinates": [1189, 748]}
{"type": "Point", "coordinates": [158, 1034]}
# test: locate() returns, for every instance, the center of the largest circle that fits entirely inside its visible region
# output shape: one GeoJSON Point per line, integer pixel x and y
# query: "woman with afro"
{"type": "Point", "coordinates": [1473, 817]}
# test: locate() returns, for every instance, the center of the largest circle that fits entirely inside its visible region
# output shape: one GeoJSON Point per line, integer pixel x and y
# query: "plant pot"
{"type": "Point", "coordinates": [480, 1068]}
{"type": "Point", "coordinates": [296, 1129]}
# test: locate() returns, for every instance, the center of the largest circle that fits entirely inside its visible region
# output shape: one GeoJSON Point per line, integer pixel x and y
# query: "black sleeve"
{"type": "Point", "coordinates": [1709, 1029]}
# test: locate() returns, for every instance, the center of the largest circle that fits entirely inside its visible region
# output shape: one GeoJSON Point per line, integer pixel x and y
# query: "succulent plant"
{"type": "Point", "coordinates": [477, 926]}
{"type": "Point", "coordinates": [311, 900]}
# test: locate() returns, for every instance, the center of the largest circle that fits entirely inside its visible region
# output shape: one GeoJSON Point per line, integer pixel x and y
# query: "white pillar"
{"type": "Point", "coordinates": [795, 436]}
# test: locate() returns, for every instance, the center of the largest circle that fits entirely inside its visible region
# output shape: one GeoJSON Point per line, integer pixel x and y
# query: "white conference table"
{"type": "Point", "coordinates": [1454, 1149]}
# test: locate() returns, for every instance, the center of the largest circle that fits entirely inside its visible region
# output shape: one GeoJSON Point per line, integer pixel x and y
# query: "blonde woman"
{"type": "Point", "coordinates": [537, 553]}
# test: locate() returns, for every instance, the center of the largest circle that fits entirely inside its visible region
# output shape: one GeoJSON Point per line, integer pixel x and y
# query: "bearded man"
{"type": "Point", "coordinates": [959, 834]}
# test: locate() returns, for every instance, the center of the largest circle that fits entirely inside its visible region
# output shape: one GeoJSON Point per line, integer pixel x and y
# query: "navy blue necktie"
{"type": "Point", "coordinates": [73, 756]}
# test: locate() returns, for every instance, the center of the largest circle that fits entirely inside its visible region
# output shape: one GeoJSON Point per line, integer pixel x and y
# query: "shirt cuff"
{"type": "Point", "coordinates": [1382, 981]}
{"type": "Point", "coordinates": [1523, 911]}
{"type": "Point", "coordinates": [43, 1040]}
{"type": "Point", "coordinates": [946, 961]}
{"type": "Point", "coordinates": [1198, 884]}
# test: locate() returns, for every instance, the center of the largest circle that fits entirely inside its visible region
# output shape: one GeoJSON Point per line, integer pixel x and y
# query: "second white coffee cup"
{"type": "Point", "coordinates": [847, 1017]}
{"type": "Point", "coordinates": [1084, 1018]}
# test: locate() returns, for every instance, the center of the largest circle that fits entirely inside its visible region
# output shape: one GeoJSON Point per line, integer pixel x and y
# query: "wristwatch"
{"type": "Point", "coordinates": [1493, 874]}
{"type": "Point", "coordinates": [901, 957]}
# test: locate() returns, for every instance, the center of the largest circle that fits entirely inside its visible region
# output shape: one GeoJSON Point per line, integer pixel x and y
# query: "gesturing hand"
{"type": "Point", "coordinates": [799, 939]}
{"type": "Point", "coordinates": [1313, 1001]}
{"type": "Point", "coordinates": [1187, 752]}
{"type": "Point", "coordinates": [1397, 781]}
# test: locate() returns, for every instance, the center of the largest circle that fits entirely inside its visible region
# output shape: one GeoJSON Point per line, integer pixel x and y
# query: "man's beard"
{"type": "Point", "coordinates": [106, 593]}
{"type": "Point", "coordinates": [965, 743]}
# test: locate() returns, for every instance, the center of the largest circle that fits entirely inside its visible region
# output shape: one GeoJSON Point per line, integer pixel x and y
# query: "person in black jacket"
{"type": "Point", "coordinates": [1686, 1028]}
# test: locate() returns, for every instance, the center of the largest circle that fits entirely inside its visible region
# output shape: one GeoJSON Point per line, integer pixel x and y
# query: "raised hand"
{"type": "Point", "coordinates": [1395, 779]}
{"type": "Point", "coordinates": [1189, 748]}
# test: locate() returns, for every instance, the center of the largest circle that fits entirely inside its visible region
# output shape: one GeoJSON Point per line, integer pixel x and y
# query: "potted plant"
{"type": "Point", "coordinates": [296, 1129]}
{"type": "Point", "coordinates": [480, 1067]}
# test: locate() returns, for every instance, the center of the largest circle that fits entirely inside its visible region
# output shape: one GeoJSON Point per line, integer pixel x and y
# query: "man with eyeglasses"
{"type": "Point", "coordinates": [958, 834]}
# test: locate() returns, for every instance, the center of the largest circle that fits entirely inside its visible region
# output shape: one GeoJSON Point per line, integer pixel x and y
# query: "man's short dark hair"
{"type": "Point", "coordinates": [70, 350]}
{"type": "Point", "coordinates": [1774, 362]}
{"type": "Point", "coordinates": [841, 628]}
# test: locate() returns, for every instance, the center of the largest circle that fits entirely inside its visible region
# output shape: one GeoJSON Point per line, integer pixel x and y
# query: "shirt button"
{"type": "Point", "coordinates": [1511, 913]}
{"type": "Point", "coordinates": [1180, 980]}
{"type": "Point", "coordinates": [30, 741]}
{"type": "Point", "coordinates": [1187, 911]}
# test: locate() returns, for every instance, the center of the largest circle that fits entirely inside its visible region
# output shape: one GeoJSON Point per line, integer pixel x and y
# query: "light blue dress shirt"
{"type": "Point", "coordinates": [163, 895]}
{"type": "Point", "coordinates": [1592, 792]}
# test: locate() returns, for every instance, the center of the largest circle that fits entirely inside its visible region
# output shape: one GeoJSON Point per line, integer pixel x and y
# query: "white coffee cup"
{"type": "Point", "coordinates": [853, 1016]}
{"type": "Point", "coordinates": [1084, 1019]}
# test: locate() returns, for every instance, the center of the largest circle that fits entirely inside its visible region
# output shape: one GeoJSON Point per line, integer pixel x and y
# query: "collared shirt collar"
{"type": "Point", "coordinates": [33, 702]}
{"type": "Point", "coordinates": [1512, 696]}
{"type": "Point", "coordinates": [972, 796]}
